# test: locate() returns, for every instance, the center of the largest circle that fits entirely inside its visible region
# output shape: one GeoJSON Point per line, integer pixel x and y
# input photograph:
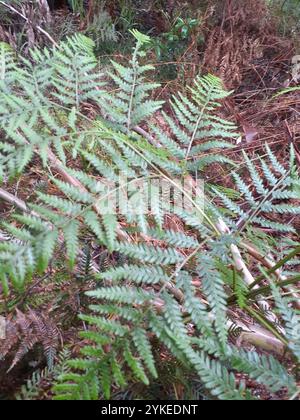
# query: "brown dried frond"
{"type": "Point", "coordinates": [25, 331]}
{"type": "Point", "coordinates": [239, 39]}
{"type": "Point", "coordinates": [24, 19]}
{"type": "Point", "coordinates": [27, 343]}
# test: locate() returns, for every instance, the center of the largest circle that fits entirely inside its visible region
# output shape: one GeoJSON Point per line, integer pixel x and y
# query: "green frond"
{"type": "Point", "coordinates": [92, 222]}
{"type": "Point", "coordinates": [195, 308]}
{"type": "Point", "coordinates": [150, 254]}
{"type": "Point", "coordinates": [135, 365]}
{"type": "Point", "coordinates": [291, 319]}
{"type": "Point", "coordinates": [136, 273]}
{"type": "Point", "coordinates": [110, 225]}
{"type": "Point", "coordinates": [28, 250]}
{"type": "Point", "coordinates": [213, 288]}
{"type": "Point", "coordinates": [36, 95]}
{"type": "Point", "coordinates": [122, 294]}
{"type": "Point", "coordinates": [143, 346]}
{"type": "Point", "coordinates": [256, 179]}
{"type": "Point", "coordinates": [197, 122]}
{"type": "Point", "coordinates": [217, 378]}
{"type": "Point", "coordinates": [161, 289]}
{"type": "Point", "coordinates": [131, 104]}
{"type": "Point", "coordinates": [266, 198]}
{"type": "Point", "coordinates": [173, 316]}
{"type": "Point", "coordinates": [106, 325]}
{"type": "Point", "coordinates": [176, 239]}
{"type": "Point", "coordinates": [264, 369]}
{"type": "Point", "coordinates": [61, 204]}
{"type": "Point", "coordinates": [71, 234]}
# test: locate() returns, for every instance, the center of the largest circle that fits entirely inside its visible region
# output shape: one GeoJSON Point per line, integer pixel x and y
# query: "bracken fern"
{"type": "Point", "coordinates": [153, 295]}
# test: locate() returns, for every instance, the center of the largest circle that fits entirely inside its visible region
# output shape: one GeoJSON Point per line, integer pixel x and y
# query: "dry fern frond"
{"type": "Point", "coordinates": [27, 330]}
{"type": "Point", "coordinates": [238, 40]}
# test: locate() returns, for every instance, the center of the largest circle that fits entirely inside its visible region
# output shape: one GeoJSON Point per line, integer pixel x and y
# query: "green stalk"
{"type": "Point", "coordinates": [276, 267]}
{"type": "Point", "coordinates": [265, 289]}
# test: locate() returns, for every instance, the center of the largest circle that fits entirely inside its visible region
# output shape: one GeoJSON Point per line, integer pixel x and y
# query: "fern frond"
{"type": "Point", "coordinates": [150, 254]}
{"type": "Point", "coordinates": [213, 287]}
{"type": "Point", "coordinates": [71, 234]}
{"type": "Point", "coordinates": [197, 121]}
{"type": "Point", "coordinates": [160, 287]}
{"type": "Point", "coordinates": [265, 370]}
{"type": "Point", "coordinates": [291, 319]}
{"type": "Point", "coordinates": [35, 94]}
{"type": "Point", "coordinates": [273, 196]}
{"type": "Point", "coordinates": [136, 273]}
{"type": "Point", "coordinates": [131, 104]}
{"type": "Point", "coordinates": [122, 295]}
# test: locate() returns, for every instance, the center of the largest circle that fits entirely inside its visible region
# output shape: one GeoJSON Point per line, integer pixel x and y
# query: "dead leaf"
{"type": "Point", "coordinates": [251, 133]}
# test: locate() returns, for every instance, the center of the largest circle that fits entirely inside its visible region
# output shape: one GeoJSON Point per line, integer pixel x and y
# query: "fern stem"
{"type": "Point", "coordinates": [270, 265]}
{"type": "Point", "coordinates": [135, 68]}
{"type": "Point", "coordinates": [248, 277]}
{"type": "Point", "coordinates": [276, 267]}
{"type": "Point", "coordinates": [132, 93]}
{"type": "Point", "coordinates": [296, 395]}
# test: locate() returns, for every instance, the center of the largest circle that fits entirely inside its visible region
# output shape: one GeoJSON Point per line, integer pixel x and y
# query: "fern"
{"type": "Point", "coordinates": [213, 287]}
{"type": "Point", "coordinates": [33, 387]}
{"type": "Point", "coordinates": [291, 319]}
{"type": "Point", "coordinates": [197, 123]}
{"type": "Point", "coordinates": [169, 288]}
{"type": "Point", "coordinates": [26, 253]}
{"type": "Point", "coordinates": [43, 94]}
{"type": "Point", "coordinates": [27, 330]}
{"type": "Point", "coordinates": [261, 198]}
{"type": "Point", "coordinates": [264, 370]}
{"type": "Point", "coordinates": [131, 105]}
{"type": "Point", "coordinates": [102, 29]}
